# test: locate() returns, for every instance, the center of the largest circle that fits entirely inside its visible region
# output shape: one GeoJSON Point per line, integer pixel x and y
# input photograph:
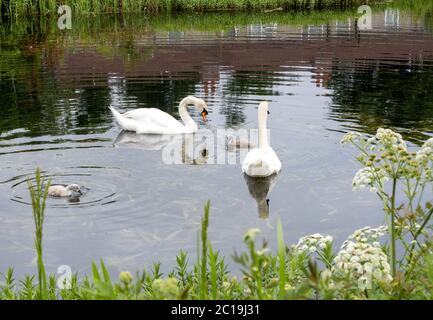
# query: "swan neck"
{"type": "Point", "coordinates": [263, 132]}
{"type": "Point", "coordinates": [186, 118]}
{"type": "Point", "coordinates": [263, 209]}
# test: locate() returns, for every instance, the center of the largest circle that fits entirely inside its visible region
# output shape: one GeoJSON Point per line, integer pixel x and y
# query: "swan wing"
{"type": "Point", "coordinates": [261, 163]}
{"type": "Point", "coordinates": [153, 120]}
{"type": "Point", "coordinates": [153, 115]}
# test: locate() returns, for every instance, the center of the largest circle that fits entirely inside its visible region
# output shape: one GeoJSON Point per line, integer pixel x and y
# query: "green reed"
{"type": "Point", "coordinates": [38, 194]}
{"type": "Point", "coordinates": [24, 8]}
{"type": "Point", "coordinates": [204, 252]}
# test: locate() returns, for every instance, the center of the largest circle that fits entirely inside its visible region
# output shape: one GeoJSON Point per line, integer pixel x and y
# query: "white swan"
{"type": "Point", "coordinates": [262, 161]}
{"type": "Point", "coordinates": [155, 121]}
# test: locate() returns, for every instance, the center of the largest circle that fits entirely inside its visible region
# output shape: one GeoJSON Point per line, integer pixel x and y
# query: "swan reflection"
{"type": "Point", "coordinates": [259, 188]}
{"type": "Point", "coordinates": [176, 149]}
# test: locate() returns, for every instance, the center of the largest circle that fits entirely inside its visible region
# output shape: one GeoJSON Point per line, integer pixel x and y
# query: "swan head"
{"type": "Point", "coordinates": [200, 104]}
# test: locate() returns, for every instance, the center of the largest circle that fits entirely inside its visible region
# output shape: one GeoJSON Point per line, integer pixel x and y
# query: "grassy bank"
{"type": "Point", "coordinates": [24, 8]}
{"type": "Point", "coordinates": [366, 266]}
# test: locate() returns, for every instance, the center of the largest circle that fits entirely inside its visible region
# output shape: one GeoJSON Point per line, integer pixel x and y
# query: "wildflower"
{"type": "Point", "coordinates": [428, 144]}
{"type": "Point", "coordinates": [367, 177]}
{"type": "Point", "coordinates": [349, 137]}
{"type": "Point", "coordinates": [326, 274]}
{"type": "Point", "coordinates": [368, 235]}
{"type": "Point", "coordinates": [390, 138]}
{"type": "Point", "coordinates": [362, 262]}
{"type": "Point", "coordinates": [312, 243]}
{"type": "Point", "coordinates": [425, 153]}
{"type": "Point", "coordinates": [251, 234]}
{"type": "Point", "coordinates": [166, 288]}
{"type": "Point", "coordinates": [125, 277]}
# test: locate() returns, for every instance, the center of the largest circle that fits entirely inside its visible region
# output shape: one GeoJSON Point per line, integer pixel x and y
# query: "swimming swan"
{"type": "Point", "coordinates": [61, 191]}
{"type": "Point", "coordinates": [262, 161]}
{"type": "Point", "coordinates": [155, 121]}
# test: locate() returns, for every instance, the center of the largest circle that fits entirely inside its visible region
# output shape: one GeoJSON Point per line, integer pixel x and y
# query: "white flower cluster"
{"type": "Point", "coordinates": [366, 177]}
{"type": "Point", "coordinates": [349, 137]}
{"type": "Point", "coordinates": [312, 243]}
{"type": "Point", "coordinates": [387, 136]}
{"type": "Point", "coordinates": [368, 235]}
{"type": "Point", "coordinates": [426, 151]}
{"type": "Point", "coordinates": [428, 143]}
{"type": "Point", "coordinates": [363, 262]}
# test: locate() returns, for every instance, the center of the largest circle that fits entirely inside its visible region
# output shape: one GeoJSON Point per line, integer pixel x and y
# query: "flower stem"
{"type": "Point", "coordinates": [392, 214]}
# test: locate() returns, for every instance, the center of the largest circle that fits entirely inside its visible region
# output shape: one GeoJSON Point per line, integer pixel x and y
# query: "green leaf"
{"type": "Point", "coordinates": [105, 272]}
{"type": "Point", "coordinates": [95, 272]}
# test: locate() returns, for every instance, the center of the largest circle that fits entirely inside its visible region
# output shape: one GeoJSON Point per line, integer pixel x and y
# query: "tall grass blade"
{"type": "Point", "coordinates": [38, 195]}
{"type": "Point", "coordinates": [281, 258]}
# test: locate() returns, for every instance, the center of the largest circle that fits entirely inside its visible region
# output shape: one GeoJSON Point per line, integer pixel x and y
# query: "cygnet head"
{"type": "Point", "coordinates": [75, 189]}
{"type": "Point", "coordinates": [230, 139]}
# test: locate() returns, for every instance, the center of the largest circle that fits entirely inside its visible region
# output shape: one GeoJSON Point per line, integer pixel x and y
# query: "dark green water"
{"type": "Point", "coordinates": [322, 76]}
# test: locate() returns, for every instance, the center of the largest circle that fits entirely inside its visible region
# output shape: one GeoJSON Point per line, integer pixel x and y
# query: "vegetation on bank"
{"type": "Point", "coordinates": [23, 8]}
{"type": "Point", "coordinates": [392, 261]}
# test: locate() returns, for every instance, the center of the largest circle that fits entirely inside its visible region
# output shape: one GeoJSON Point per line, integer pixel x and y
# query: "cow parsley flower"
{"type": "Point", "coordinates": [349, 137]}
{"type": "Point", "coordinates": [389, 137]}
{"type": "Point", "coordinates": [362, 262]}
{"type": "Point", "coordinates": [369, 235]}
{"type": "Point", "coordinates": [312, 243]}
{"type": "Point", "coordinates": [425, 153]}
{"type": "Point", "coordinates": [367, 177]}
{"type": "Point", "coordinates": [428, 143]}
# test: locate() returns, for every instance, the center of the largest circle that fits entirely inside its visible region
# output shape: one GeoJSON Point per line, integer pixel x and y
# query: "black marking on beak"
{"type": "Point", "coordinates": [267, 202]}
{"type": "Point", "coordinates": [269, 112]}
{"type": "Point", "coordinates": [205, 112]}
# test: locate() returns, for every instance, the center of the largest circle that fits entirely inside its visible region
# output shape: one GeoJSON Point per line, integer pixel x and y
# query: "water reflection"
{"type": "Point", "coordinates": [369, 96]}
{"type": "Point", "coordinates": [175, 149]}
{"type": "Point", "coordinates": [259, 189]}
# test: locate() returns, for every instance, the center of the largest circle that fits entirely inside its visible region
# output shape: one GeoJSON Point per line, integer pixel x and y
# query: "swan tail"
{"type": "Point", "coordinates": [257, 164]}
{"type": "Point", "coordinates": [258, 168]}
{"type": "Point", "coordinates": [124, 123]}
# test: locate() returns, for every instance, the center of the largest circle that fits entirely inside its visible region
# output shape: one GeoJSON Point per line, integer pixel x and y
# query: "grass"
{"type": "Point", "coordinates": [17, 9]}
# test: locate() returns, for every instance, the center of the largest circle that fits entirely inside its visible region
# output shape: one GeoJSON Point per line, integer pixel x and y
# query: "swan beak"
{"type": "Point", "coordinates": [204, 113]}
